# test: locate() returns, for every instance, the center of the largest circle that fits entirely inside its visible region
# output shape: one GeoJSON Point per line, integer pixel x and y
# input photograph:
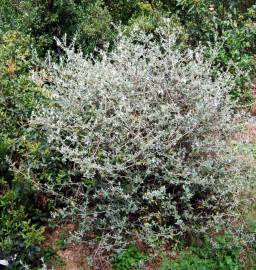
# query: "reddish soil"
{"type": "Point", "coordinates": [248, 135]}
{"type": "Point", "coordinates": [72, 256]}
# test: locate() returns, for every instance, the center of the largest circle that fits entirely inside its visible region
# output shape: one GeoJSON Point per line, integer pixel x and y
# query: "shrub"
{"type": "Point", "coordinates": [18, 94]}
{"type": "Point", "coordinates": [18, 237]}
{"type": "Point", "coordinates": [20, 234]}
{"type": "Point", "coordinates": [148, 129]}
{"type": "Point", "coordinates": [94, 27]}
{"type": "Point", "coordinates": [149, 18]}
{"type": "Point", "coordinates": [128, 259]}
{"type": "Point", "coordinates": [232, 23]}
{"type": "Point", "coordinates": [122, 10]}
{"type": "Point", "coordinates": [90, 21]}
{"type": "Point", "coordinates": [223, 253]}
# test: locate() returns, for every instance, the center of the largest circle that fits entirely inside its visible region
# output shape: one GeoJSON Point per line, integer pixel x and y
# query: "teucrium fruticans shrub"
{"type": "Point", "coordinates": [148, 127]}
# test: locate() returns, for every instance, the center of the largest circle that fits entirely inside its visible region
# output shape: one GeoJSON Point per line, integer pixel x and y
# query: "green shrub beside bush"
{"type": "Point", "coordinates": [129, 259]}
{"type": "Point", "coordinates": [19, 236]}
{"type": "Point", "coordinates": [221, 253]}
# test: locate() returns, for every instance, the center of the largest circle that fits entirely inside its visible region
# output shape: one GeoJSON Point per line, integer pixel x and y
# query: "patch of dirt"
{"type": "Point", "coordinates": [248, 135]}
{"type": "Point", "coordinates": [72, 256]}
{"type": "Point", "coordinates": [53, 235]}
{"type": "Point", "coordinates": [2, 191]}
{"type": "Point", "coordinates": [153, 264]}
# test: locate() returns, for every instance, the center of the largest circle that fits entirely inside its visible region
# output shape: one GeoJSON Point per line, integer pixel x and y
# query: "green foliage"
{"type": "Point", "coordinates": [42, 19]}
{"type": "Point", "coordinates": [90, 21]}
{"type": "Point", "coordinates": [229, 22]}
{"type": "Point", "coordinates": [94, 26]}
{"type": "Point", "coordinates": [62, 242]}
{"type": "Point", "coordinates": [5, 145]}
{"type": "Point", "coordinates": [149, 19]}
{"type": "Point", "coordinates": [122, 10]}
{"type": "Point", "coordinates": [222, 254]}
{"type": "Point", "coordinates": [17, 234]}
{"type": "Point", "coordinates": [18, 96]}
{"type": "Point", "coordinates": [128, 259]}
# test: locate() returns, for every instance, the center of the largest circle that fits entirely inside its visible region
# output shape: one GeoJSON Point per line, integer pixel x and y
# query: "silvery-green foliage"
{"type": "Point", "coordinates": [148, 127]}
{"type": "Point", "coordinates": [43, 267]}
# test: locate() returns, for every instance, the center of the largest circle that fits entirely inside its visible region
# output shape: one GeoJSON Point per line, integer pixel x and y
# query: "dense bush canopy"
{"type": "Point", "coordinates": [148, 128]}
